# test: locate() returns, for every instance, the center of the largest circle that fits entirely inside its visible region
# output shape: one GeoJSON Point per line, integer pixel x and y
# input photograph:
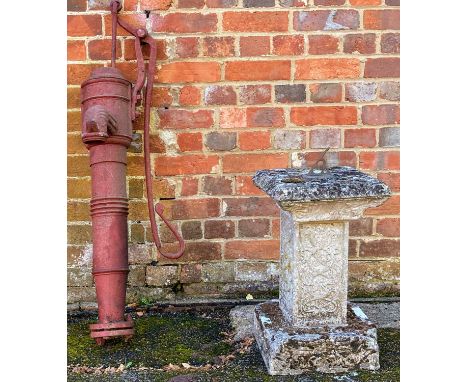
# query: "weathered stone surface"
{"type": "Point", "coordinates": [161, 275]}
{"type": "Point", "coordinates": [297, 184]}
{"type": "Point", "coordinates": [242, 320]}
{"type": "Point", "coordinates": [218, 272]}
{"type": "Point", "coordinates": [288, 350]}
{"type": "Point", "coordinates": [384, 315]}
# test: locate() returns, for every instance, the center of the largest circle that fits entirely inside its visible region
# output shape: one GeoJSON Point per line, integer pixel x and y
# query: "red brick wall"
{"type": "Point", "coordinates": [242, 85]}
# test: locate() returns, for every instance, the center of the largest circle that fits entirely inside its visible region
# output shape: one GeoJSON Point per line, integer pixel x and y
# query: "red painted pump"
{"type": "Point", "coordinates": [108, 107]}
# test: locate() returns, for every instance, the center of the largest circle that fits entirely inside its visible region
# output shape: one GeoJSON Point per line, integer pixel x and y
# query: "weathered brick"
{"type": "Point", "coordinates": [288, 45]}
{"type": "Point", "coordinates": [153, 5]}
{"type": "Point", "coordinates": [130, 54]}
{"type": "Point", "coordinates": [186, 164]}
{"type": "Point", "coordinates": [79, 188]}
{"type": "Point", "coordinates": [382, 67]}
{"type": "Point", "coordinates": [363, 3]}
{"type": "Point", "coordinates": [187, 47]}
{"type": "Point", "coordinates": [255, 94]}
{"type": "Point", "coordinates": [139, 254]}
{"type": "Point", "coordinates": [137, 275]}
{"type": "Point", "coordinates": [161, 97]}
{"type": "Point", "coordinates": [382, 19]}
{"type": "Point", "coordinates": [84, 25]}
{"type": "Point", "coordinates": [389, 137]}
{"type": "Point", "coordinates": [380, 114]}
{"type": "Point", "coordinates": [231, 118]}
{"type": "Point", "coordinates": [253, 272]}
{"type": "Point", "coordinates": [361, 92]}
{"type": "Point", "coordinates": [360, 138]}
{"type": "Point", "coordinates": [221, 3]}
{"type": "Point", "coordinates": [258, 70]}
{"type": "Point", "coordinates": [135, 20]}
{"type": "Point", "coordinates": [202, 250]}
{"type": "Point", "coordinates": [265, 117]}
{"type": "Point", "coordinates": [340, 158]}
{"type": "Point", "coordinates": [79, 277]}
{"type": "Point", "coordinates": [326, 20]}
{"type": "Point", "coordinates": [255, 21]}
{"type": "Point", "coordinates": [190, 4]}
{"type": "Point", "coordinates": [190, 273]}
{"type": "Point", "coordinates": [185, 119]}
{"type": "Point", "coordinates": [380, 248]}
{"type": "Point", "coordinates": [390, 207]}
{"type": "Point", "coordinates": [191, 230]}
{"type": "Point", "coordinates": [161, 275]}
{"type": "Point", "coordinates": [290, 93]}
{"type": "Point", "coordinates": [137, 234]}
{"type": "Point", "coordinates": [323, 44]}
{"type": "Point", "coordinates": [184, 22]}
{"type": "Point", "coordinates": [218, 272]}
{"type": "Point", "coordinates": [289, 139]}
{"type": "Point", "coordinates": [322, 138]}
{"type": "Point", "coordinates": [78, 165]}
{"type": "Point", "coordinates": [194, 208]}
{"type": "Point", "coordinates": [381, 160]}
{"type": "Point", "coordinates": [101, 49]}
{"type": "Point", "coordinates": [220, 95]}
{"type": "Point", "coordinates": [217, 185]}
{"type": "Point", "coordinates": [292, 3]}
{"type": "Point", "coordinates": [327, 68]}
{"type": "Point", "coordinates": [391, 179]}
{"type": "Point", "coordinates": [218, 46]}
{"type": "Point", "coordinates": [219, 229]}
{"type": "Point", "coordinates": [76, 5]}
{"type": "Point", "coordinates": [189, 187]}
{"type": "Point", "coordinates": [190, 141]}
{"type": "Point", "coordinates": [74, 102]}
{"type": "Point", "coordinates": [176, 72]}
{"type": "Point", "coordinates": [359, 43]}
{"type": "Point", "coordinates": [254, 249]}
{"type": "Point", "coordinates": [253, 162]}
{"type": "Point", "coordinates": [78, 234]}
{"type": "Point", "coordinates": [220, 141]}
{"type": "Point", "coordinates": [390, 43]}
{"type": "Point", "coordinates": [254, 227]}
{"type": "Point", "coordinates": [78, 73]}
{"type": "Point", "coordinates": [390, 91]}
{"type": "Point", "coordinates": [78, 211]}
{"type": "Point", "coordinates": [254, 46]}
{"type": "Point", "coordinates": [254, 140]}
{"type": "Point", "coordinates": [245, 186]}
{"type": "Point", "coordinates": [258, 3]}
{"type": "Point", "coordinates": [325, 93]}
{"type": "Point", "coordinates": [329, 2]}
{"type": "Point", "coordinates": [392, 2]}
{"type": "Point", "coordinates": [389, 227]}
{"type": "Point", "coordinates": [324, 115]}
{"type": "Point", "coordinates": [189, 96]}
{"type": "Point", "coordinates": [361, 227]}
{"type": "Point", "coordinates": [76, 50]}
{"type": "Point", "coordinates": [163, 188]}
{"type": "Point", "coordinates": [249, 207]}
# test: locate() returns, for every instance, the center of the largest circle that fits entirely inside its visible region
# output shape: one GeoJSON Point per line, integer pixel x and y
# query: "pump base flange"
{"type": "Point", "coordinates": [104, 331]}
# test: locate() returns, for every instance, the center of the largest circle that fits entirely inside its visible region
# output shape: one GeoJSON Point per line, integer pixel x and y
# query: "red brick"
{"type": "Point", "coordinates": [200, 251]}
{"type": "Point", "coordinates": [153, 5]}
{"type": "Point", "coordinates": [381, 160]}
{"type": "Point", "coordinates": [76, 50]}
{"type": "Point", "coordinates": [190, 141]}
{"type": "Point", "coordinates": [323, 44]}
{"type": "Point", "coordinates": [187, 47]}
{"type": "Point", "coordinates": [101, 49]}
{"type": "Point", "coordinates": [175, 72]}
{"type": "Point", "coordinates": [220, 141]}
{"type": "Point", "coordinates": [75, 144]}
{"type": "Point", "coordinates": [326, 93]}
{"type": "Point", "coordinates": [73, 120]}
{"type": "Point", "coordinates": [317, 20]}
{"type": "Point", "coordinates": [361, 227]}
{"type": "Point", "coordinates": [189, 96]}
{"type": "Point", "coordinates": [382, 67]}
{"type": "Point", "coordinates": [392, 2]}
{"type": "Point", "coordinates": [129, 44]}
{"type": "Point", "coordinates": [184, 22]}
{"type": "Point", "coordinates": [74, 99]}
{"type": "Point", "coordinates": [265, 117]}
{"type": "Point", "coordinates": [360, 138]}
{"type": "Point", "coordinates": [194, 208]}
{"type": "Point", "coordinates": [363, 3]}
{"type": "Point", "coordinates": [288, 45]}
{"type": "Point", "coordinates": [392, 180]}
{"type": "Point", "coordinates": [324, 115]}
{"type": "Point", "coordinates": [162, 188]}
{"type": "Point", "coordinates": [254, 228]}
{"type": "Point", "coordinates": [322, 138]}
{"type": "Point", "coordinates": [218, 46]}
{"type": "Point", "coordinates": [340, 158]}
{"type": "Point", "coordinates": [255, 21]}
{"type": "Point", "coordinates": [359, 43]}
{"type": "Point", "coordinates": [135, 20]}
{"type": "Point", "coordinates": [380, 248]}
{"type": "Point", "coordinates": [186, 164]}
{"type": "Point", "coordinates": [255, 94]}
{"type": "Point", "coordinates": [219, 229]}
{"type": "Point", "coordinates": [390, 43]}
{"type": "Point", "coordinates": [161, 97]}
{"type": "Point", "coordinates": [129, 70]}
{"type": "Point", "coordinates": [76, 5]}
{"type": "Point", "coordinates": [217, 185]}
{"type": "Point", "coordinates": [78, 73]}
{"type": "Point", "coordinates": [221, 3]}
{"type": "Point", "coordinates": [389, 227]}
{"type": "Point", "coordinates": [329, 2]}
{"type": "Point", "coordinates": [382, 19]}
{"type": "Point", "coordinates": [252, 249]}
{"type": "Point", "coordinates": [189, 187]}
{"type": "Point", "coordinates": [327, 68]}
{"type": "Point", "coordinates": [258, 70]}
{"type": "Point", "coordinates": [84, 25]}
{"type": "Point", "coordinates": [157, 145]}
{"type": "Point", "coordinates": [252, 162]}
{"type": "Point", "coordinates": [232, 118]}
{"type": "Point", "coordinates": [254, 45]}
{"type": "Point", "coordinates": [185, 119]}
{"type": "Point", "coordinates": [380, 114]}
{"type": "Point", "coordinates": [220, 95]}
{"type": "Point", "coordinates": [191, 4]}
{"type": "Point", "coordinates": [255, 140]}
{"type": "Point", "coordinates": [245, 186]}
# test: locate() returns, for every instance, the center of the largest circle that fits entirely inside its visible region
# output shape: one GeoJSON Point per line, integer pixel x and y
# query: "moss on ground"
{"type": "Point", "coordinates": [197, 338]}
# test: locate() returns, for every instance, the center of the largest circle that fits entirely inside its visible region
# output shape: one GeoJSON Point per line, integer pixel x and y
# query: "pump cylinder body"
{"type": "Point", "coordinates": [107, 132]}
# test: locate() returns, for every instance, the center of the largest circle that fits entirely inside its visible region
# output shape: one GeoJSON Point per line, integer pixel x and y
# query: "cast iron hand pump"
{"type": "Point", "coordinates": [108, 105]}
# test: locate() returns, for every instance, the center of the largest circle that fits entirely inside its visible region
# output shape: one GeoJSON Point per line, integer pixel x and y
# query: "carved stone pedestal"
{"type": "Point", "coordinates": [311, 327]}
